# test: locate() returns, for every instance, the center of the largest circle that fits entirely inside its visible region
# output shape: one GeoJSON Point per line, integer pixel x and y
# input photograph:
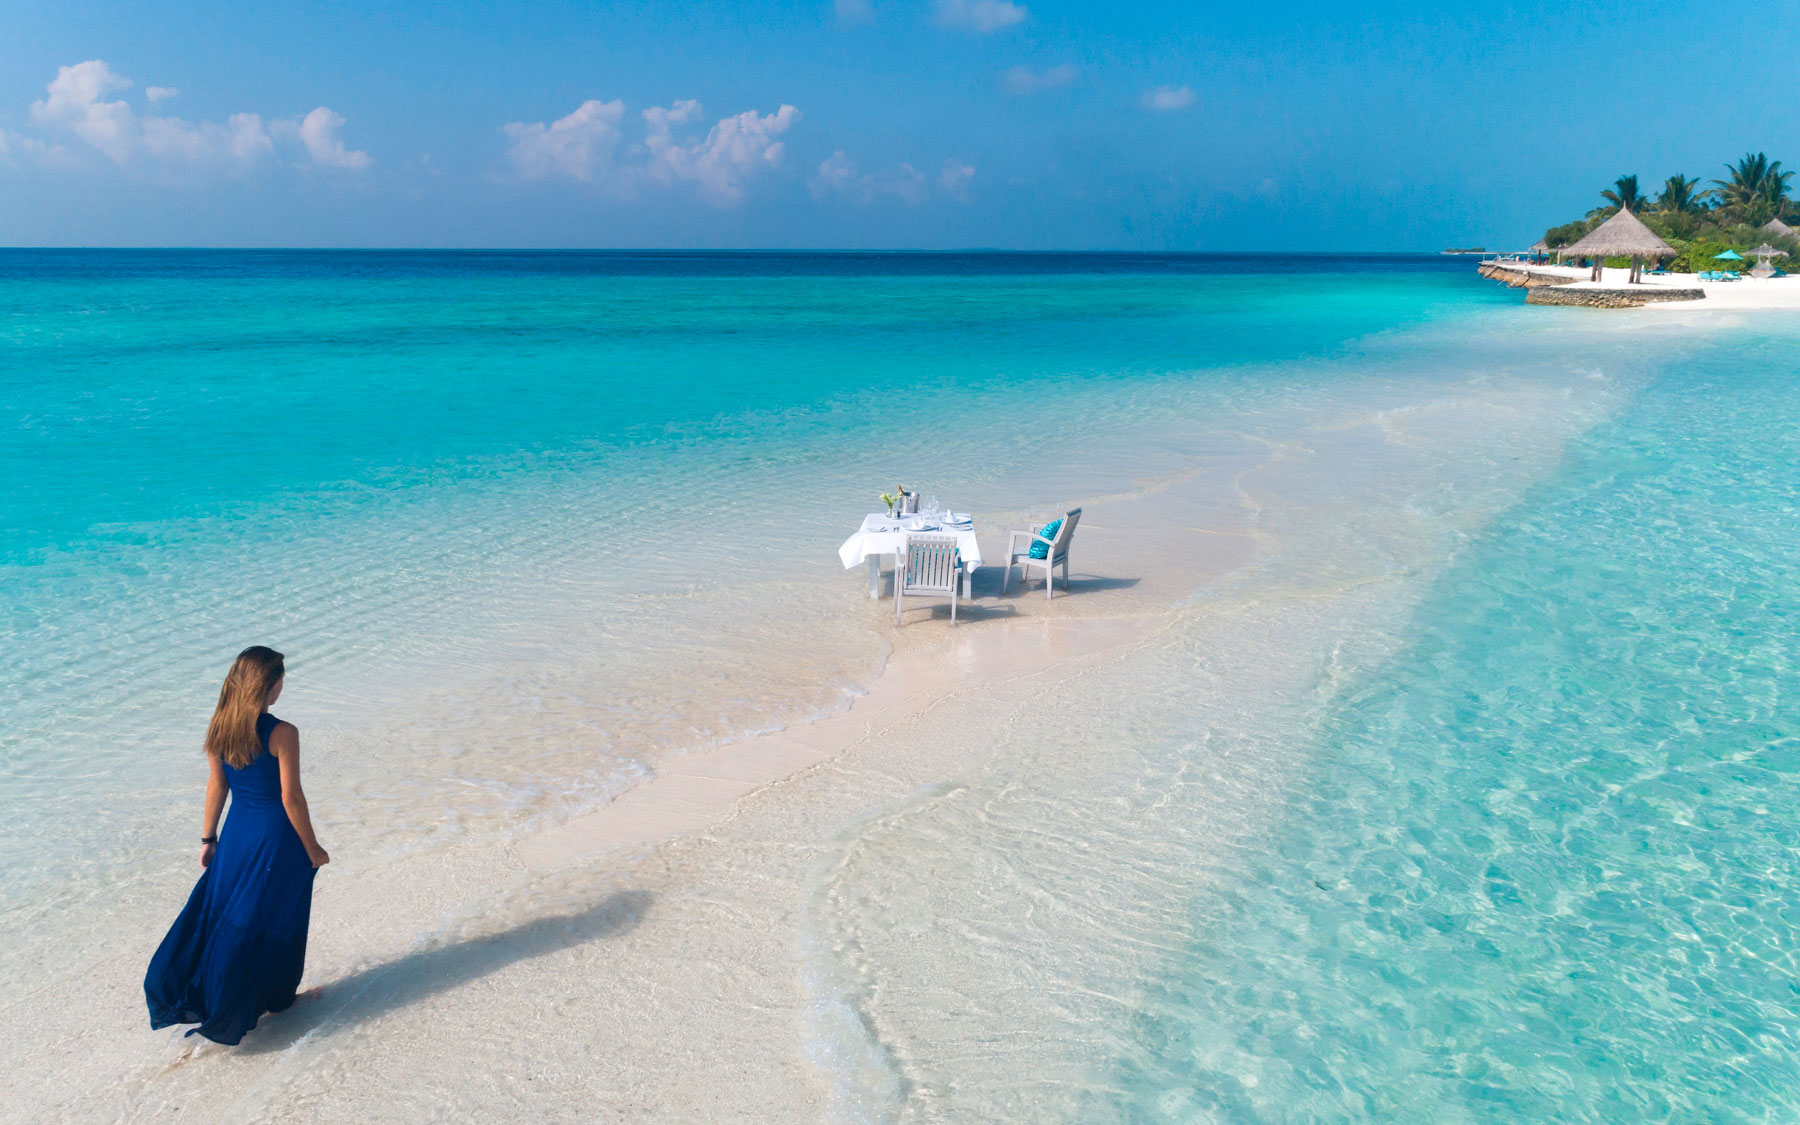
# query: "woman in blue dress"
{"type": "Point", "coordinates": [239, 946]}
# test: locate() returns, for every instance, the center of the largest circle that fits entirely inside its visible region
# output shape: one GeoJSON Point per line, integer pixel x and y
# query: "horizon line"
{"type": "Point", "coordinates": [1446, 252]}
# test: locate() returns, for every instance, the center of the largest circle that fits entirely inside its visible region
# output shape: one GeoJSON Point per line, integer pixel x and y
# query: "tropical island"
{"type": "Point", "coordinates": [1747, 208]}
{"type": "Point", "coordinates": [1722, 242]}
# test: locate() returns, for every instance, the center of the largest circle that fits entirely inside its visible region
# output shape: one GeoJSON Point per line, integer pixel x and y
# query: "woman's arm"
{"type": "Point", "coordinates": [215, 805]}
{"type": "Point", "coordinates": [284, 740]}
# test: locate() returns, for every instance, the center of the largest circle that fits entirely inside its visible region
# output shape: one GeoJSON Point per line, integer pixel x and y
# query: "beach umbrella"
{"type": "Point", "coordinates": [1728, 256]}
{"type": "Point", "coordinates": [1623, 235]}
{"type": "Point", "coordinates": [1762, 254]}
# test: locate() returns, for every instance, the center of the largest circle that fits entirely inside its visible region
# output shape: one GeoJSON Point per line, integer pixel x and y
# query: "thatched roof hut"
{"type": "Point", "coordinates": [1539, 246]}
{"type": "Point", "coordinates": [1624, 236]}
{"type": "Point", "coordinates": [1777, 227]}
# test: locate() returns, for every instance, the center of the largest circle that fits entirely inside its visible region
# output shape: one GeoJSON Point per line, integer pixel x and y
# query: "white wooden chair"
{"type": "Point", "coordinates": [1056, 553]}
{"type": "Point", "coordinates": [928, 567]}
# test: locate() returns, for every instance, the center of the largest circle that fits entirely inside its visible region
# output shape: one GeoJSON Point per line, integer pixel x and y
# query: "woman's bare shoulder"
{"type": "Point", "coordinates": [284, 733]}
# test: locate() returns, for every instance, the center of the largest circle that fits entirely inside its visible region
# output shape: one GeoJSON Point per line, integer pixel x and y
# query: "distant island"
{"type": "Point", "coordinates": [1748, 207]}
{"type": "Point", "coordinates": [1465, 250]}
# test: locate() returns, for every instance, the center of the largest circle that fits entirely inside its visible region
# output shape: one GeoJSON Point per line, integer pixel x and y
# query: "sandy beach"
{"type": "Point", "coordinates": [1773, 293]}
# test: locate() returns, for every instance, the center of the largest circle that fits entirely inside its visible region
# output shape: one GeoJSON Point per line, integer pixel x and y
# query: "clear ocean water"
{"type": "Point", "coordinates": [526, 524]}
{"type": "Point", "coordinates": [1542, 866]}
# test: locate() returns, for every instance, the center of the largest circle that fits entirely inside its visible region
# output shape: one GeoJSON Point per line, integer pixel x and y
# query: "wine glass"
{"type": "Point", "coordinates": [931, 507]}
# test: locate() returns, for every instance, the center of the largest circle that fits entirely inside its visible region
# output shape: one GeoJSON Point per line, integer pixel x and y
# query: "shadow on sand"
{"type": "Point", "coordinates": [380, 989]}
{"type": "Point", "coordinates": [1078, 584]}
{"type": "Point", "coordinates": [989, 604]}
{"type": "Point", "coordinates": [989, 586]}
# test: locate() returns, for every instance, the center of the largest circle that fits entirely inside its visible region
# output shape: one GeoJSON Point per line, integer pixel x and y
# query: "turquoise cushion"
{"type": "Point", "coordinates": [1040, 549]}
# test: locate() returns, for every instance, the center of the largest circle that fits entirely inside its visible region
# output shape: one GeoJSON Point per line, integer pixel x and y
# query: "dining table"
{"type": "Point", "coordinates": [882, 535]}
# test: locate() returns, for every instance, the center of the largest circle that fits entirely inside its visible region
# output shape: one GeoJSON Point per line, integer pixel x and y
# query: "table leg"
{"type": "Point", "coordinates": [968, 585]}
{"type": "Point", "coordinates": [875, 576]}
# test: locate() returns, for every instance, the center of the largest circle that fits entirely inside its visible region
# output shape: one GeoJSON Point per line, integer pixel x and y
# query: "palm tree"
{"type": "Point", "coordinates": [1624, 195]}
{"type": "Point", "coordinates": [1679, 197]}
{"type": "Point", "coordinates": [1756, 190]}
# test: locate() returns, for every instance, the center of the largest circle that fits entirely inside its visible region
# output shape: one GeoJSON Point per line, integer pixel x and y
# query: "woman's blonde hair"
{"type": "Point", "coordinates": [231, 735]}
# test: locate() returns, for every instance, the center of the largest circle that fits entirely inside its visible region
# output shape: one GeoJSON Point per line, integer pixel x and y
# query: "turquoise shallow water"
{"type": "Point", "coordinates": [517, 518]}
{"type": "Point", "coordinates": [150, 386]}
{"type": "Point", "coordinates": [1542, 866]}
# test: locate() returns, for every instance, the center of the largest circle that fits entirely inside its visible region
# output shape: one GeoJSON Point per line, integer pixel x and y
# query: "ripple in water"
{"type": "Point", "coordinates": [1544, 866]}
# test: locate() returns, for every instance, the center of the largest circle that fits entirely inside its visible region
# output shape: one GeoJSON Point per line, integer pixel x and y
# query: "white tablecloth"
{"type": "Point", "coordinates": [883, 535]}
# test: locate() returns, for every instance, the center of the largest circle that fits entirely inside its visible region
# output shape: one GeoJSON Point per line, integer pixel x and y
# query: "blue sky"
{"type": "Point", "coordinates": [1024, 124]}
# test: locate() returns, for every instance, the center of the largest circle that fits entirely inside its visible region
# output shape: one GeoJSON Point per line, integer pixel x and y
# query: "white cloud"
{"type": "Point", "coordinates": [954, 178]}
{"type": "Point", "coordinates": [580, 145]}
{"type": "Point", "coordinates": [241, 141]}
{"type": "Point", "coordinates": [734, 149]}
{"type": "Point", "coordinates": [839, 173]}
{"type": "Point", "coordinates": [979, 16]}
{"type": "Point", "coordinates": [16, 147]}
{"type": "Point", "coordinates": [853, 11]}
{"type": "Point", "coordinates": [76, 103]}
{"type": "Point", "coordinates": [1024, 80]}
{"type": "Point", "coordinates": [318, 132]}
{"type": "Point", "coordinates": [841, 176]}
{"type": "Point", "coordinates": [586, 146]}
{"type": "Point", "coordinates": [1165, 99]}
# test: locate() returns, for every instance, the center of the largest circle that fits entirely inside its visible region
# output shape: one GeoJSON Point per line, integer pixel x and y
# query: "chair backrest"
{"type": "Point", "coordinates": [929, 565]}
{"type": "Point", "coordinates": [1064, 534]}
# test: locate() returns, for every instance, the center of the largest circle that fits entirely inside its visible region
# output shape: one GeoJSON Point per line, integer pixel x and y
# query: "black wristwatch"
{"type": "Point", "coordinates": [209, 839]}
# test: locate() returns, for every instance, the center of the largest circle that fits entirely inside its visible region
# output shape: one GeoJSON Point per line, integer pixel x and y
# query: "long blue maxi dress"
{"type": "Point", "coordinates": [239, 946]}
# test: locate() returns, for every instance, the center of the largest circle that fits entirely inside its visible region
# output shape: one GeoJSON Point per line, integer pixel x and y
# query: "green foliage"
{"type": "Point", "coordinates": [1624, 193]}
{"type": "Point", "coordinates": [1570, 232]}
{"type": "Point", "coordinates": [1700, 223]}
{"type": "Point", "coordinates": [1671, 225]}
{"type": "Point", "coordinates": [1755, 189]}
{"type": "Point", "coordinates": [1681, 195]}
{"type": "Point", "coordinates": [1698, 254]}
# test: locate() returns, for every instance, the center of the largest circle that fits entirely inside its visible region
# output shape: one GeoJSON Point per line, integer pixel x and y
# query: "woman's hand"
{"type": "Point", "coordinates": [206, 854]}
{"type": "Point", "coordinates": [319, 856]}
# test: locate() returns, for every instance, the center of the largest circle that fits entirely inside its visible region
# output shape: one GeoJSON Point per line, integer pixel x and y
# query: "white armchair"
{"type": "Point", "coordinates": [929, 566]}
{"type": "Point", "coordinates": [1056, 553]}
